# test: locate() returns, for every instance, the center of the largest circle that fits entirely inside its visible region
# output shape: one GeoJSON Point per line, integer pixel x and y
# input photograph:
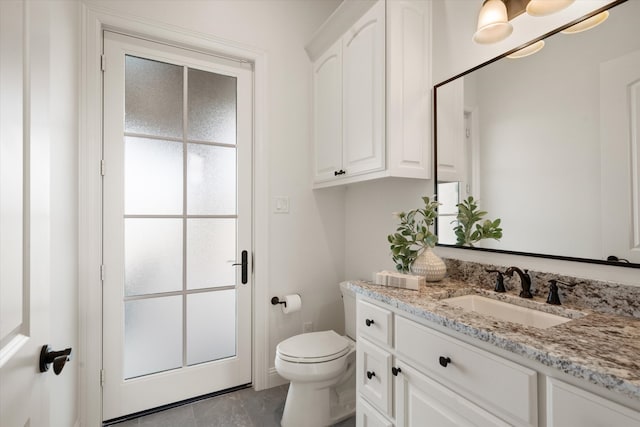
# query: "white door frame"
{"type": "Point", "coordinates": [94, 21]}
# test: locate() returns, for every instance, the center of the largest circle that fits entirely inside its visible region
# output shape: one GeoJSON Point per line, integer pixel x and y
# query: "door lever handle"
{"type": "Point", "coordinates": [58, 358]}
{"type": "Point", "coordinates": [245, 266]}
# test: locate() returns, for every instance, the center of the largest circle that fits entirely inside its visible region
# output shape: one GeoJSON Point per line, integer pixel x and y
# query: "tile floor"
{"type": "Point", "coordinates": [242, 408]}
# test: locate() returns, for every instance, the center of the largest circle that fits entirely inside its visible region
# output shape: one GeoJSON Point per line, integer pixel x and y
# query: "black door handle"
{"type": "Point", "coordinates": [369, 322]}
{"type": "Point", "coordinates": [370, 374]}
{"type": "Point", "coordinates": [58, 358]}
{"type": "Point", "coordinates": [395, 371]}
{"type": "Point", "coordinates": [245, 267]}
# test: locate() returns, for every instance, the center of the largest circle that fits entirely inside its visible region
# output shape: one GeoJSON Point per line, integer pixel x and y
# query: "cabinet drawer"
{"type": "Point", "coordinates": [500, 386]}
{"type": "Point", "coordinates": [570, 406]}
{"type": "Point", "coordinates": [373, 375]}
{"type": "Point", "coordinates": [375, 323]}
{"type": "Point", "coordinates": [418, 398]}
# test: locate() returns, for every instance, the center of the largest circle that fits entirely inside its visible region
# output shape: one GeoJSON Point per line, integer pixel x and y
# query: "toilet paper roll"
{"type": "Point", "coordinates": [293, 303]}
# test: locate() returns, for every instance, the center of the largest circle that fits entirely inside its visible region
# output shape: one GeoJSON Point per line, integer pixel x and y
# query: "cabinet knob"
{"type": "Point", "coordinates": [395, 371]}
{"type": "Point", "coordinates": [370, 374]}
{"type": "Point", "coordinates": [340, 172]}
{"type": "Point", "coordinates": [369, 322]}
{"type": "Point", "coordinates": [444, 361]}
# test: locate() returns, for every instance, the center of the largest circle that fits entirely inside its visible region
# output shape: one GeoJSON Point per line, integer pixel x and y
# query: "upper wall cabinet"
{"type": "Point", "coordinates": [371, 93]}
{"type": "Point", "coordinates": [327, 112]}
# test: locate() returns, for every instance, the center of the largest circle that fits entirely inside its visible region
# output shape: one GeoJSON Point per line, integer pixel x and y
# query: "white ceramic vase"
{"type": "Point", "coordinates": [429, 265]}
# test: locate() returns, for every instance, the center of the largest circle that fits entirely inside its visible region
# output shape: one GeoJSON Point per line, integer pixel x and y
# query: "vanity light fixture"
{"type": "Point", "coordinates": [527, 50]}
{"type": "Point", "coordinates": [493, 23]}
{"type": "Point", "coordinates": [493, 19]}
{"type": "Point", "coordinates": [587, 24]}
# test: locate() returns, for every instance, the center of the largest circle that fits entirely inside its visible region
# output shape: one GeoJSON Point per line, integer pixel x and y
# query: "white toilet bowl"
{"type": "Point", "coordinates": [321, 369]}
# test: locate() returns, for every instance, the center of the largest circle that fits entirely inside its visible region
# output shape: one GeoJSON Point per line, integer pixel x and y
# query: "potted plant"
{"type": "Point", "coordinates": [413, 240]}
{"type": "Point", "coordinates": [471, 227]}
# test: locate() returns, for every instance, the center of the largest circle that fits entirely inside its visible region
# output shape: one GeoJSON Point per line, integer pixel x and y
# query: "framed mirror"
{"type": "Point", "coordinates": [549, 144]}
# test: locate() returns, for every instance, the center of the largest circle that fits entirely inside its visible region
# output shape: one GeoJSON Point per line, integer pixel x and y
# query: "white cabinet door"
{"type": "Point", "coordinates": [408, 88]}
{"type": "Point", "coordinates": [570, 406]}
{"type": "Point", "coordinates": [421, 401]}
{"type": "Point", "coordinates": [366, 416]}
{"type": "Point", "coordinates": [363, 49]}
{"type": "Point", "coordinates": [327, 113]}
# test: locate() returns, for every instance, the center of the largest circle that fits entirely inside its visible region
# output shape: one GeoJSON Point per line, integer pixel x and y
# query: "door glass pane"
{"type": "Point", "coordinates": [152, 335]}
{"type": "Point", "coordinates": [211, 326]}
{"type": "Point", "coordinates": [212, 107]}
{"type": "Point", "coordinates": [211, 249]}
{"type": "Point", "coordinates": [153, 177]}
{"type": "Point", "coordinates": [153, 255]}
{"type": "Point", "coordinates": [153, 97]}
{"type": "Point", "coordinates": [211, 180]}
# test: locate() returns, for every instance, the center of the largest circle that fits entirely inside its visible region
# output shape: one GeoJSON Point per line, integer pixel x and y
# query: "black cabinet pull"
{"type": "Point", "coordinates": [245, 266]}
{"type": "Point", "coordinates": [340, 172]}
{"type": "Point", "coordinates": [395, 371]}
{"type": "Point", "coordinates": [369, 322]}
{"type": "Point", "coordinates": [58, 358]}
{"type": "Point", "coordinates": [370, 374]}
{"type": "Point", "coordinates": [444, 361]}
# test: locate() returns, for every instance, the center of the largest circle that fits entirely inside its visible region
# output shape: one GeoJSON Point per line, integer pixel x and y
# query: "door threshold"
{"type": "Point", "coordinates": [124, 418]}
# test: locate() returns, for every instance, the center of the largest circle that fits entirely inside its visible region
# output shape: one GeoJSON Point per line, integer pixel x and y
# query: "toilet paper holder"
{"type": "Point", "coordinates": [276, 301]}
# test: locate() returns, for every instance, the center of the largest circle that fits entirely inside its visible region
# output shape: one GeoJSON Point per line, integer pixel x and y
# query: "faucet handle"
{"type": "Point", "coordinates": [553, 297]}
{"type": "Point", "coordinates": [499, 280]}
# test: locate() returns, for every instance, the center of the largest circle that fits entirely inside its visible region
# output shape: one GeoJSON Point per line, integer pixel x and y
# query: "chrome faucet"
{"type": "Point", "coordinates": [525, 281]}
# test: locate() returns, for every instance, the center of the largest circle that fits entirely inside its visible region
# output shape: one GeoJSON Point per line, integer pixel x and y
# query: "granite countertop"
{"type": "Point", "coordinates": [600, 347]}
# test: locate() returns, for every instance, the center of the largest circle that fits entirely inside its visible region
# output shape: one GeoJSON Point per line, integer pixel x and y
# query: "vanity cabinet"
{"type": "Point", "coordinates": [408, 374]}
{"type": "Point", "coordinates": [371, 94]}
{"type": "Point", "coordinates": [412, 375]}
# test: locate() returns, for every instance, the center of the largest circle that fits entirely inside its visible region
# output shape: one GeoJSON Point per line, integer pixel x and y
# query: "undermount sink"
{"type": "Point", "coordinates": [507, 312]}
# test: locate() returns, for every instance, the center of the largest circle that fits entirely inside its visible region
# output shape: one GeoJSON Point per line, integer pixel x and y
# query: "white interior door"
{"type": "Point", "coordinates": [24, 216]}
{"type": "Point", "coordinates": [177, 217]}
{"type": "Point", "coordinates": [620, 149]}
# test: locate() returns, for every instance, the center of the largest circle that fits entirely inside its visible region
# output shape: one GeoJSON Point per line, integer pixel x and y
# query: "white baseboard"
{"type": "Point", "coordinates": [274, 380]}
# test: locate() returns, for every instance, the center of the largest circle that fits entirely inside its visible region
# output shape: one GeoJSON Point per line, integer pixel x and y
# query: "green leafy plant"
{"type": "Point", "coordinates": [413, 234]}
{"type": "Point", "coordinates": [471, 228]}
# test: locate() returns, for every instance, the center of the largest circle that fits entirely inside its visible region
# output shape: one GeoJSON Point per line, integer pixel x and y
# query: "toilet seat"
{"type": "Point", "coordinates": [313, 347]}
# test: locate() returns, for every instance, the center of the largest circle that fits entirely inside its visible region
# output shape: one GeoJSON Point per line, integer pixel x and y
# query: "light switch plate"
{"type": "Point", "coordinates": [281, 205]}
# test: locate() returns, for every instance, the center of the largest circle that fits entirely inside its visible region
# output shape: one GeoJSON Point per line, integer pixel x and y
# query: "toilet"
{"type": "Point", "coordinates": [321, 369]}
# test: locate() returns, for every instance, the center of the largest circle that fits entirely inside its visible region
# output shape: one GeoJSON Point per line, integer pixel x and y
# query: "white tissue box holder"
{"type": "Point", "coordinates": [398, 280]}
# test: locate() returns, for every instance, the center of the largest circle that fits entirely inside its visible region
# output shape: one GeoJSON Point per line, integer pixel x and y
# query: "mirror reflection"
{"type": "Point", "coordinates": [550, 144]}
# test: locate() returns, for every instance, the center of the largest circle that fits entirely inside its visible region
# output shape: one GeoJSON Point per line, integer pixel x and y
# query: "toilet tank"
{"type": "Point", "coordinates": [349, 304]}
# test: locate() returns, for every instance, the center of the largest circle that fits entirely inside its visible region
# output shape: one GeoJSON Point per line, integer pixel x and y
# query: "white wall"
{"type": "Point", "coordinates": [369, 220]}
{"type": "Point", "coordinates": [306, 250]}
{"type": "Point", "coordinates": [368, 205]}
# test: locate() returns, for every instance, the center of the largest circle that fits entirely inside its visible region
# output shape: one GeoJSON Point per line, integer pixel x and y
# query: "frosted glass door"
{"type": "Point", "coordinates": [176, 213]}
